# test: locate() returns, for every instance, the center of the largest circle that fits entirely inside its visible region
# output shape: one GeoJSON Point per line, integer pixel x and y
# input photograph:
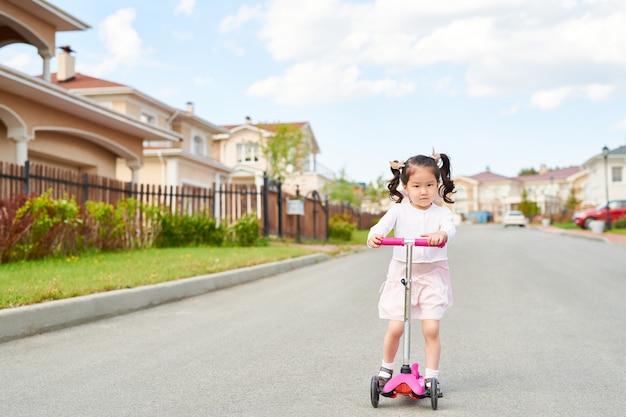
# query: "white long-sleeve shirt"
{"type": "Point", "coordinates": [407, 221]}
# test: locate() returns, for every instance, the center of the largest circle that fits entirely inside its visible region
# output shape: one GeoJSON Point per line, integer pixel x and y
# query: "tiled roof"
{"type": "Point", "coordinates": [268, 126]}
{"type": "Point", "coordinates": [84, 81]}
{"type": "Point", "coordinates": [556, 174]}
{"type": "Point", "coordinates": [489, 176]}
{"type": "Point", "coordinates": [618, 151]}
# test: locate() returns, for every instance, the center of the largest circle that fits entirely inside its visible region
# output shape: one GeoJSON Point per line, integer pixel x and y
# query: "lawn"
{"type": "Point", "coordinates": [34, 282]}
{"type": "Point", "coordinates": [52, 279]}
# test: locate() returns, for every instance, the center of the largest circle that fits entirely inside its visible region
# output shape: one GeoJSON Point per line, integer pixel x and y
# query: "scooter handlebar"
{"type": "Point", "coordinates": [400, 241]}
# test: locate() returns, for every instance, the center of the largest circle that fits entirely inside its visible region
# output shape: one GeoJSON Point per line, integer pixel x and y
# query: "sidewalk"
{"type": "Point", "coordinates": [608, 237]}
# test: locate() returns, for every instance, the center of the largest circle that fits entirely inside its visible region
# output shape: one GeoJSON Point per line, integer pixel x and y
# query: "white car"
{"type": "Point", "coordinates": [514, 218]}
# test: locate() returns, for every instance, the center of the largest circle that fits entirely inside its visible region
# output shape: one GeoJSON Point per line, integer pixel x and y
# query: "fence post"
{"type": "Point", "coordinates": [327, 204]}
{"type": "Point", "coordinates": [27, 177]}
{"type": "Point", "coordinates": [85, 187]}
{"type": "Point", "coordinates": [298, 231]}
{"type": "Point", "coordinates": [280, 209]}
{"type": "Point", "coordinates": [266, 220]}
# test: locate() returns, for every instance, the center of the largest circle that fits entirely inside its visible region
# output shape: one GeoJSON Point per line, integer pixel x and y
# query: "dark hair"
{"type": "Point", "coordinates": [442, 174]}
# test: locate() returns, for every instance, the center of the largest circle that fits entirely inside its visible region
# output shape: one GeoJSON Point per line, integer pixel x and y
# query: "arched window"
{"type": "Point", "coordinates": [198, 146]}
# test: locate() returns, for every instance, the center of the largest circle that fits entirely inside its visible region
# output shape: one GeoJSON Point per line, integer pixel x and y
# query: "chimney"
{"type": "Point", "coordinates": [248, 120]}
{"type": "Point", "coordinates": [190, 107]}
{"type": "Point", "coordinates": [66, 71]}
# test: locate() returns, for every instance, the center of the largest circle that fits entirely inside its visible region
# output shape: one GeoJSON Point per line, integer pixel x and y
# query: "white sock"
{"type": "Point", "coordinates": [388, 366]}
{"type": "Point", "coordinates": [431, 373]}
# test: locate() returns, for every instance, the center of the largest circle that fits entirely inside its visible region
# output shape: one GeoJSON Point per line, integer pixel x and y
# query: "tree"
{"type": "Point", "coordinates": [284, 149]}
{"type": "Point", "coordinates": [376, 191]}
{"type": "Point", "coordinates": [529, 208]}
{"type": "Point", "coordinates": [527, 171]}
{"type": "Point", "coordinates": [344, 191]}
{"type": "Point", "coordinates": [572, 202]}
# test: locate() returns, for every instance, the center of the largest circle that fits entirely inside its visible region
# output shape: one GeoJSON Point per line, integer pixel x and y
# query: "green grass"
{"type": "Point", "coordinates": [572, 226]}
{"type": "Point", "coordinates": [52, 279]}
{"type": "Point", "coordinates": [567, 226]}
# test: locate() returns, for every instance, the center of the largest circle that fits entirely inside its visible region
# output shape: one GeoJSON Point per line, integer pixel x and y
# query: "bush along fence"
{"type": "Point", "coordinates": [280, 214]}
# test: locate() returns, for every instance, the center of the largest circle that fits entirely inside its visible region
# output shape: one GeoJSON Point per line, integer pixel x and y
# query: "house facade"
{"type": "Point", "coordinates": [606, 177]}
{"type": "Point", "coordinates": [242, 149]}
{"type": "Point", "coordinates": [43, 123]}
{"type": "Point", "coordinates": [187, 162]}
{"type": "Point", "coordinates": [496, 194]}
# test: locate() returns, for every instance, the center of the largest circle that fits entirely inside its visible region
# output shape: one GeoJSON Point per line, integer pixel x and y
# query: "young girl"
{"type": "Point", "coordinates": [424, 182]}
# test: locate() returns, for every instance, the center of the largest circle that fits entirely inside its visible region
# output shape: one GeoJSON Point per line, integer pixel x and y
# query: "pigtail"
{"type": "Point", "coordinates": [447, 185]}
{"type": "Point", "coordinates": [394, 183]}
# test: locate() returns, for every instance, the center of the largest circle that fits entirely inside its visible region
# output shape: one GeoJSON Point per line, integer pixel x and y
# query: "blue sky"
{"type": "Point", "coordinates": [500, 84]}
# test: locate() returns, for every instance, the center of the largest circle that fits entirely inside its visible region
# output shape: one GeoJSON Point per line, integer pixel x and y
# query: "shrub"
{"type": "Point", "coordinates": [246, 231]}
{"type": "Point", "coordinates": [12, 229]}
{"type": "Point", "coordinates": [620, 223]}
{"type": "Point", "coordinates": [339, 227]}
{"type": "Point", "coordinates": [184, 230]}
{"type": "Point", "coordinates": [54, 230]}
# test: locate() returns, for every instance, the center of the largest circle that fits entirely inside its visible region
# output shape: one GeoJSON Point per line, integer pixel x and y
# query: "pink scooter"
{"type": "Point", "coordinates": [409, 382]}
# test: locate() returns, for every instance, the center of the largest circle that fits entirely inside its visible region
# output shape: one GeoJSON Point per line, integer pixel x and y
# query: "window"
{"type": "Point", "coordinates": [198, 146]}
{"type": "Point", "coordinates": [461, 193]}
{"type": "Point", "coordinates": [616, 174]}
{"type": "Point", "coordinates": [147, 117]}
{"type": "Point", "coordinates": [247, 152]}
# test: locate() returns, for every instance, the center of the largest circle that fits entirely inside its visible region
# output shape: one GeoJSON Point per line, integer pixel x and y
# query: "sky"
{"type": "Point", "coordinates": [503, 85]}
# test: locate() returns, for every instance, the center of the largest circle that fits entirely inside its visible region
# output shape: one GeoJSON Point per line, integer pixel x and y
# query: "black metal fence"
{"type": "Point", "coordinates": [224, 202]}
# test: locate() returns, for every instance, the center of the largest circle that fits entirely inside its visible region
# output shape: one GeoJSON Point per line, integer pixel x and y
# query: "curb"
{"type": "Point", "coordinates": [34, 319]}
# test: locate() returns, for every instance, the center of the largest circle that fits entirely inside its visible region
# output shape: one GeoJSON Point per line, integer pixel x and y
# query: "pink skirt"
{"type": "Point", "coordinates": [431, 291]}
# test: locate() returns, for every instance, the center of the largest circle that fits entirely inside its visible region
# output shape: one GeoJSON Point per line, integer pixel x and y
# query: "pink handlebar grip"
{"type": "Point", "coordinates": [399, 241]}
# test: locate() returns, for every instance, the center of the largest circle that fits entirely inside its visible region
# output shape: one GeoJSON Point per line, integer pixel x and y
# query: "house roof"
{"type": "Point", "coordinates": [556, 174]}
{"type": "Point", "coordinates": [92, 84]}
{"type": "Point", "coordinates": [267, 129]}
{"type": "Point", "coordinates": [618, 151]}
{"type": "Point", "coordinates": [489, 176]}
{"type": "Point", "coordinates": [84, 81]}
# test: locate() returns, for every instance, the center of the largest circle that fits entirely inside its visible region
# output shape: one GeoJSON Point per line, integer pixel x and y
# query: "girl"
{"type": "Point", "coordinates": [424, 182]}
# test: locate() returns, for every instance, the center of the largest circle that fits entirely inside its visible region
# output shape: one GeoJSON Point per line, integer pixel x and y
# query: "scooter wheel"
{"type": "Point", "coordinates": [433, 393]}
{"type": "Point", "coordinates": [374, 393]}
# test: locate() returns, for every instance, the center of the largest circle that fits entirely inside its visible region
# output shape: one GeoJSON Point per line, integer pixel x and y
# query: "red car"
{"type": "Point", "coordinates": [617, 209]}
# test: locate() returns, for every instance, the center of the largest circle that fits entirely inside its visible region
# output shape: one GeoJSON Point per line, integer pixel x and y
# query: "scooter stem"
{"type": "Point", "coordinates": [406, 337]}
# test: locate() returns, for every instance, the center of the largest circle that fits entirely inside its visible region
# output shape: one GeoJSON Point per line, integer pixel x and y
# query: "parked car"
{"type": "Point", "coordinates": [617, 209]}
{"type": "Point", "coordinates": [514, 218]}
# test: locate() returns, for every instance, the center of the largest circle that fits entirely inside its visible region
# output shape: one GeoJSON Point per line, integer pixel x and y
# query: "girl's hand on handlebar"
{"type": "Point", "coordinates": [374, 241]}
{"type": "Point", "coordinates": [436, 238]}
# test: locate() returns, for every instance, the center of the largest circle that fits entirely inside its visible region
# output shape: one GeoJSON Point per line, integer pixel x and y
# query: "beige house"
{"type": "Point", "coordinates": [187, 162]}
{"type": "Point", "coordinates": [242, 150]}
{"type": "Point", "coordinates": [76, 122]}
{"type": "Point", "coordinates": [606, 177]}
{"type": "Point", "coordinates": [46, 124]}
{"type": "Point", "coordinates": [490, 192]}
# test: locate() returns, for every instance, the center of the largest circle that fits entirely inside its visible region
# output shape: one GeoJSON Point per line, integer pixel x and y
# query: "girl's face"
{"type": "Point", "coordinates": [422, 187]}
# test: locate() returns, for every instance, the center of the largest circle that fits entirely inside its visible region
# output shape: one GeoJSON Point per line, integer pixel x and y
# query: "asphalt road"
{"type": "Point", "coordinates": [538, 329]}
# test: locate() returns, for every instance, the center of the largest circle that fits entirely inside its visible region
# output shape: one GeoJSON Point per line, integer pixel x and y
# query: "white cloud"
{"type": "Point", "coordinates": [550, 99]}
{"type": "Point", "coordinates": [203, 81]}
{"type": "Point", "coordinates": [320, 83]}
{"type": "Point", "coordinates": [122, 42]}
{"type": "Point", "coordinates": [597, 92]}
{"type": "Point", "coordinates": [183, 36]}
{"type": "Point", "coordinates": [244, 14]}
{"type": "Point", "coordinates": [529, 47]}
{"type": "Point", "coordinates": [185, 7]}
{"type": "Point", "coordinates": [20, 61]}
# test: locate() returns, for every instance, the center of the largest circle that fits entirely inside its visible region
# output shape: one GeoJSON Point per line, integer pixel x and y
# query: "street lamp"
{"type": "Point", "coordinates": [605, 153]}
